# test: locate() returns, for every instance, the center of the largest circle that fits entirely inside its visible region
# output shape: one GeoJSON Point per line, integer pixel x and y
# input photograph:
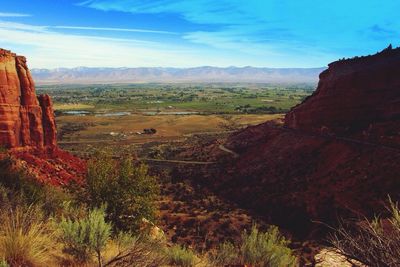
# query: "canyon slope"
{"type": "Point", "coordinates": [337, 154]}
{"type": "Point", "coordinates": [27, 125]}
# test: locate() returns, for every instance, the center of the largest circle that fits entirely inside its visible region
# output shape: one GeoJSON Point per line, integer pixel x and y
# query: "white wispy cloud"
{"type": "Point", "coordinates": [10, 14]}
{"type": "Point", "coordinates": [21, 26]}
{"type": "Point", "coordinates": [110, 29]}
{"type": "Point", "coordinates": [300, 31]}
{"type": "Point", "coordinates": [46, 48]}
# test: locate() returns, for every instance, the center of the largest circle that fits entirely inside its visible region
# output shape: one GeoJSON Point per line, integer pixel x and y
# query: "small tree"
{"type": "Point", "coordinates": [128, 190]}
{"type": "Point", "coordinates": [85, 237]}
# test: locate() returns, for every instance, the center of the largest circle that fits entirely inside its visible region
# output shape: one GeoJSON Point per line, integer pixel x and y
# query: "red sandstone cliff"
{"type": "Point", "coordinates": [27, 125]}
{"type": "Point", "coordinates": [352, 95]}
{"type": "Point", "coordinates": [337, 154]}
{"type": "Point", "coordinates": [25, 120]}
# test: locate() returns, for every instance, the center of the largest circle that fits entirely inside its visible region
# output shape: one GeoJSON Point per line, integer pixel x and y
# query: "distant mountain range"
{"type": "Point", "coordinates": [84, 75]}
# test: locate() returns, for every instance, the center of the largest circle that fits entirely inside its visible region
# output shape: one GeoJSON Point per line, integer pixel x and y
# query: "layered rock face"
{"type": "Point", "coordinates": [25, 120]}
{"type": "Point", "coordinates": [28, 128]}
{"type": "Point", "coordinates": [352, 95]}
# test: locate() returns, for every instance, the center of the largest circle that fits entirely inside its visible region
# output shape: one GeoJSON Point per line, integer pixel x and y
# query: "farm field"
{"type": "Point", "coordinates": [91, 117]}
{"type": "Point", "coordinates": [202, 98]}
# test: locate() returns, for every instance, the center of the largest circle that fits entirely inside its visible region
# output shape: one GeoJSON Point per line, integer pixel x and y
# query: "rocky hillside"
{"type": "Point", "coordinates": [336, 154]}
{"type": "Point", "coordinates": [27, 124]}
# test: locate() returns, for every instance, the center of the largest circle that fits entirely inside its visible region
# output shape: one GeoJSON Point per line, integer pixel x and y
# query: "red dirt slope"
{"type": "Point", "coordinates": [337, 153]}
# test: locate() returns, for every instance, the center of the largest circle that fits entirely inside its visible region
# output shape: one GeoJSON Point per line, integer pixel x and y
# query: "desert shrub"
{"type": "Point", "coordinates": [83, 238]}
{"type": "Point", "coordinates": [91, 236]}
{"type": "Point", "coordinates": [264, 249]}
{"type": "Point", "coordinates": [373, 242]}
{"type": "Point", "coordinates": [128, 190]}
{"type": "Point", "coordinates": [26, 239]}
{"type": "Point", "coordinates": [181, 256]}
{"type": "Point", "coordinates": [227, 255]}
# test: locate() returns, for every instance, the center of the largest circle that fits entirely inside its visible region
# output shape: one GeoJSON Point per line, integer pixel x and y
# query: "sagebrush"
{"type": "Point", "coordinates": [257, 248]}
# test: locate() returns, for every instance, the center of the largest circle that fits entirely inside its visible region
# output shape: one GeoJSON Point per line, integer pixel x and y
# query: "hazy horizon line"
{"type": "Point", "coordinates": [194, 67]}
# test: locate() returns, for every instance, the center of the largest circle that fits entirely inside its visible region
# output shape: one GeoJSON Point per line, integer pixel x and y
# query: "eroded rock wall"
{"type": "Point", "coordinates": [352, 96]}
{"type": "Point", "coordinates": [24, 120]}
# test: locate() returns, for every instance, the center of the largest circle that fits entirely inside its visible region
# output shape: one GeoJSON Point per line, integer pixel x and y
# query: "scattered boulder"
{"type": "Point", "coordinates": [149, 131]}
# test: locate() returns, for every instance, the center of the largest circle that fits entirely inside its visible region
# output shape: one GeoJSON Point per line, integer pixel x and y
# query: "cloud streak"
{"type": "Point", "coordinates": [8, 14]}
{"type": "Point", "coordinates": [88, 28]}
{"type": "Point", "coordinates": [181, 33]}
{"type": "Point", "coordinates": [46, 48]}
{"type": "Point", "coordinates": [276, 26]}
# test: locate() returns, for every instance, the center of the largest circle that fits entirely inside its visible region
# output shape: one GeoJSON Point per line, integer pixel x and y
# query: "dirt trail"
{"type": "Point", "coordinates": [223, 148]}
{"type": "Point", "coordinates": [178, 161]}
{"type": "Point", "coordinates": [343, 139]}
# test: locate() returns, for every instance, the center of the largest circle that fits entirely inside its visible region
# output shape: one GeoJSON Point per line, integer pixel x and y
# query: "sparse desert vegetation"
{"type": "Point", "coordinates": [74, 231]}
{"type": "Point", "coordinates": [112, 218]}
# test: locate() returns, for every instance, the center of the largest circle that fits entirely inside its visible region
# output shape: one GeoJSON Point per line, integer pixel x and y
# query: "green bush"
{"type": "Point", "coordinates": [88, 237]}
{"type": "Point", "coordinates": [181, 256]}
{"type": "Point", "coordinates": [85, 237]}
{"type": "Point", "coordinates": [264, 249]}
{"type": "Point", "coordinates": [128, 191]}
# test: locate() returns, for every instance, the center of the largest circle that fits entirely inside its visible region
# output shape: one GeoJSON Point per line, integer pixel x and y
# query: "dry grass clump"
{"type": "Point", "coordinates": [181, 256]}
{"type": "Point", "coordinates": [25, 238]}
{"type": "Point", "coordinates": [373, 242]}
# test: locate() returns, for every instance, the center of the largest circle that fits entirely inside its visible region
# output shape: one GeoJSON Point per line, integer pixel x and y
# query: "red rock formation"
{"type": "Point", "coordinates": [48, 121]}
{"type": "Point", "coordinates": [24, 122]}
{"type": "Point", "coordinates": [338, 153]}
{"type": "Point", "coordinates": [352, 95]}
{"type": "Point", "coordinates": [28, 128]}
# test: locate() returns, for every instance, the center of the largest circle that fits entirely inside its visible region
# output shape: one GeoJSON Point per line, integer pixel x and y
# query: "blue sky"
{"type": "Point", "coordinates": [187, 33]}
